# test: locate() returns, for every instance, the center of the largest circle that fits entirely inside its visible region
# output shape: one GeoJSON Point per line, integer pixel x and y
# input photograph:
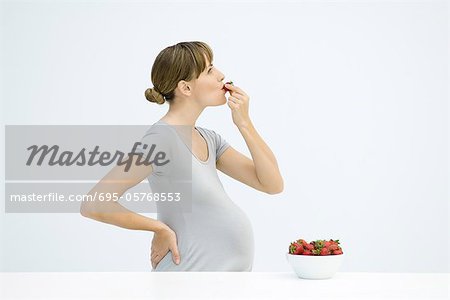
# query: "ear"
{"type": "Point", "coordinates": [184, 87]}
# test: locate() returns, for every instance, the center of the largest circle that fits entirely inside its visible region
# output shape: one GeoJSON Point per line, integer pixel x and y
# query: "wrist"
{"type": "Point", "coordinates": [245, 125]}
{"type": "Point", "coordinates": [159, 226]}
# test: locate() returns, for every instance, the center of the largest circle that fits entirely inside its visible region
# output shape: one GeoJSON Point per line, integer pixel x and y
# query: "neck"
{"type": "Point", "coordinates": [182, 113]}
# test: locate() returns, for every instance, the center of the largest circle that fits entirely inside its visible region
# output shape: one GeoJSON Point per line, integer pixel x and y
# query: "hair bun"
{"type": "Point", "coordinates": [153, 95]}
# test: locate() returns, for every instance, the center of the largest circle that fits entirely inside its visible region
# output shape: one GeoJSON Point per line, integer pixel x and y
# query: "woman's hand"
{"type": "Point", "coordinates": [164, 240]}
{"type": "Point", "coordinates": [238, 103]}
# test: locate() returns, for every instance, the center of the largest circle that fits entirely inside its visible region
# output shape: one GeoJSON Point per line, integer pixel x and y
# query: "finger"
{"type": "Point", "coordinates": [155, 260]}
{"type": "Point", "coordinates": [232, 105]}
{"type": "Point", "coordinates": [238, 95]}
{"type": "Point", "coordinates": [155, 263]}
{"type": "Point", "coordinates": [175, 253]}
{"type": "Point", "coordinates": [235, 100]}
{"type": "Point", "coordinates": [235, 89]}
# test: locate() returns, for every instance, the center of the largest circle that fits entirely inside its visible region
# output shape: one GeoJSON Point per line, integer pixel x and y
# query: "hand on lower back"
{"type": "Point", "coordinates": [164, 240]}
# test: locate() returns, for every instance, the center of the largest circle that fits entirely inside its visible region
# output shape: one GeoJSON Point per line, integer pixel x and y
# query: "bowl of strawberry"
{"type": "Point", "coordinates": [319, 259]}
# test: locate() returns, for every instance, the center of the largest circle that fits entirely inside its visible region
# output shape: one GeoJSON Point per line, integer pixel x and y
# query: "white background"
{"type": "Point", "coordinates": [352, 97]}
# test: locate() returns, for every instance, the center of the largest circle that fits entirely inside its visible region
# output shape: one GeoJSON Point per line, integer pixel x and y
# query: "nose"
{"type": "Point", "coordinates": [222, 77]}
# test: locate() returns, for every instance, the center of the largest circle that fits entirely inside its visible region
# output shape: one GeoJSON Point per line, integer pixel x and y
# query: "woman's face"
{"type": "Point", "coordinates": [208, 87]}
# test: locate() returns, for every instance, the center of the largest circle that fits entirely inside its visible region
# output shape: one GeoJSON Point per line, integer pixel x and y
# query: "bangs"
{"type": "Point", "coordinates": [199, 54]}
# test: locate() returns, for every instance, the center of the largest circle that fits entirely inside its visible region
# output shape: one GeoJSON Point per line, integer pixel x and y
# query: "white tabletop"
{"type": "Point", "coordinates": [222, 285]}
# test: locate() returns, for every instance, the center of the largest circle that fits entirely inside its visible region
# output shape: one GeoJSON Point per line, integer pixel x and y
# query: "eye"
{"type": "Point", "coordinates": [209, 70]}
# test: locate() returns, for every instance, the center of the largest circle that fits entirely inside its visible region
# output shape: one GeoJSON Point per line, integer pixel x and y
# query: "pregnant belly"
{"type": "Point", "coordinates": [211, 238]}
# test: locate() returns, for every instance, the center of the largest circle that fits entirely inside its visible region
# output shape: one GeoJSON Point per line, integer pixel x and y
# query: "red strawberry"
{"type": "Point", "coordinates": [295, 248]}
{"type": "Point", "coordinates": [302, 242]}
{"type": "Point", "coordinates": [307, 252]}
{"type": "Point", "coordinates": [327, 244]}
{"type": "Point", "coordinates": [225, 88]}
{"type": "Point", "coordinates": [324, 251]}
{"type": "Point", "coordinates": [336, 252]}
{"type": "Point", "coordinates": [310, 247]}
{"type": "Point", "coordinates": [299, 250]}
{"type": "Point", "coordinates": [333, 247]}
{"type": "Point", "coordinates": [318, 244]}
{"type": "Point", "coordinates": [292, 248]}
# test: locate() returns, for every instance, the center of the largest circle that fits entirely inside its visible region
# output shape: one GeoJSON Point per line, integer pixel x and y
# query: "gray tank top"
{"type": "Point", "coordinates": [216, 234]}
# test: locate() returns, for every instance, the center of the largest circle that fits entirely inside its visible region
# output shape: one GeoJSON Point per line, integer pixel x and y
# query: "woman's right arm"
{"type": "Point", "coordinates": [116, 183]}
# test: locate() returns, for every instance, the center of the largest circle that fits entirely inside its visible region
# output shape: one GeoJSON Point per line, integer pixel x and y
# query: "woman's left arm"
{"type": "Point", "coordinates": [261, 173]}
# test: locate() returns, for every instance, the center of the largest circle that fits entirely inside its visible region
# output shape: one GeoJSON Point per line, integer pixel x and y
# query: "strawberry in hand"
{"type": "Point", "coordinates": [238, 102]}
{"type": "Point", "coordinates": [224, 86]}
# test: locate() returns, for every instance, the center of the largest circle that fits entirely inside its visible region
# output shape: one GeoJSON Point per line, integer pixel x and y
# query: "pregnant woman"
{"type": "Point", "coordinates": [213, 233]}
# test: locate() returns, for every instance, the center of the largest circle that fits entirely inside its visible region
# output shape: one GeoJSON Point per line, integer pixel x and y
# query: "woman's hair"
{"type": "Point", "coordinates": [183, 61]}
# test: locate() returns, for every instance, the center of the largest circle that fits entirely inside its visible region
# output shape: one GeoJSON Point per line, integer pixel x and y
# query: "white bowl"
{"type": "Point", "coordinates": [315, 266]}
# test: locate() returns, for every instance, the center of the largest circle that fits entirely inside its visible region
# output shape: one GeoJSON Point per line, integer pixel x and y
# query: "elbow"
{"type": "Point", "coordinates": [276, 189]}
{"type": "Point", "coordinates": [86, 212]}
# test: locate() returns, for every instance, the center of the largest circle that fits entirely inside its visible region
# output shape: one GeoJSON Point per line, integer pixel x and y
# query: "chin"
{"type": "Point", "coordinates": [218, 102]}
{"type": "Point", "coordinates": [224, 101]}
